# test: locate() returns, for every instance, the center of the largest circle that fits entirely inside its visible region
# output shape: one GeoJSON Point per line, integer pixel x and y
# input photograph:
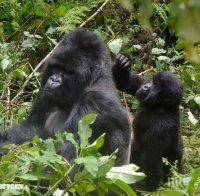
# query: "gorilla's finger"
{"type": "Point", "coordinates": [124, 61]}
{"type": "Point", "coordinates": [127, 65]}
{"type": "Point", "coordinates": [122, 58]}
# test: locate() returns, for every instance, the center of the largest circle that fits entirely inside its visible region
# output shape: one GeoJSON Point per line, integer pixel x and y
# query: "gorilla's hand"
{"type": "Point", "coordinates": [123, 62]}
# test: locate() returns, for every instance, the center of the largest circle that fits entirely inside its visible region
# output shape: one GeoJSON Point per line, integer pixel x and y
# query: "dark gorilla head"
{"type": "Point", "coordinates": [163, 90]}
{"type": "Point", "coordinates": [78, 61]}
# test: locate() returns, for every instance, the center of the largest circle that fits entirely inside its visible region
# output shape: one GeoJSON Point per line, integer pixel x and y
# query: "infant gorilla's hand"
{"type": "Point", "coordinates": [123, 62]}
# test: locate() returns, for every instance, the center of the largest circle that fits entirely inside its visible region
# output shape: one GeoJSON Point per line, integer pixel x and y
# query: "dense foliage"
{"type": "Point", "coordinates": [158, 35]}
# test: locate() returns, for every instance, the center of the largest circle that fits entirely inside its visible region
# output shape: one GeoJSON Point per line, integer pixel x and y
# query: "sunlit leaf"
{"type": "Point", "coordinates": [126, 173]}
{"type": "Point", "coordinates": [158, 51]}
{"type": "Point", "coordinates": [115, 46]}
{"type": "Point", "coordinates": [90, 163]}
{"type": "Point", "coordinates": [194, 179]}
{"type": "Point", "coordinates": [191, 118]}
{"type": "Point", "coordinates": [92, 149]}
{"type": "Point", "coordinates": [84, 130]}
{"type": "Point", "coordinates": [197, 100]}
{"type": "Point", "coordinates": [5, 63]}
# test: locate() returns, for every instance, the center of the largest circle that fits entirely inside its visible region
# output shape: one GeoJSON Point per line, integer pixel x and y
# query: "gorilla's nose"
{"type": "Point", "coordinates": [55, 78]}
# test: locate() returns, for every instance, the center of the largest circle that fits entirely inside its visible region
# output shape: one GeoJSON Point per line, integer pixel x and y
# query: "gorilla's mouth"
{"type": "Point", "coordinates": [46, 93]}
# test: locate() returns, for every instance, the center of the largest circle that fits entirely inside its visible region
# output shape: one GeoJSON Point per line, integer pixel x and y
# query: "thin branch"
{"type": "Point", "coordinates": [47, 56]}
{"type": "Point", "coordinates": [34, 74]}
{"type": "Point", "coordinates": [146, 71]}
{"type": "Point", "coordinates": [95, 14]}
{"type": "Point", "coordinates": [8, 100]}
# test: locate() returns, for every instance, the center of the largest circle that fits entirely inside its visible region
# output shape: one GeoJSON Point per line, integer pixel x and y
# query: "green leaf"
{"type": "Point", "coordinates": [91, 164]}
{"type": "Point", "coordinates": [160, 42]}
{"type": "Point", "coordinates": [5, 63]}
{"type": "Point", "coordinates": [126, 188]}
{"type": "Point", "coordinates": [8, 192]}
{"type": "Point", "coordinates": [172, 193]}
{"type": "Point", "coordinates": [191, 118]}
{"type": "Point", "coordinates": [70, 137]}
{"type": "Point", "coordinates": [197, 100]}
{"type": "Point", "coordinates": [127, 4]}
{"type": "Point", "coordinates": [187, 79]}
{"type": "Point", "coordinates": [158, 51]}
{"type": "Point", "coordinates": [185, 19]}
{"type": "Point", "coordinates": [84, 130]}
{"type": "Point", "coordinates": [26, 33]}
{"type": "Point", "coordinates": [126, 173]}
{"type": "Point", "coordinates": [93, 148]}
{"type": "Point", "coordinates": [137, 46]}
{"type": "Point", "coordinates": [50, 145]}
{"type": "Point", "coordinates": [146, 11]}
{"type": "Point", "coordinates": [29, 177]}
{"type": "Point", "coordinates": [164, 58]}
{"type": "Point", "coordinates": [115, 46]}
{"type": "Point", "coordinates": [105, 164]}
{"type": "Point", "coordinates": [85, 186]}
{"type": "Point", "coordinates": [195, 178]}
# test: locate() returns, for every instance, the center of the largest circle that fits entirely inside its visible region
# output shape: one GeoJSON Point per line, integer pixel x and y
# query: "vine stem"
{"type": "Point", "coordinates": [60, 180]}
{"type": "Point", "coordinates": [46, 57]}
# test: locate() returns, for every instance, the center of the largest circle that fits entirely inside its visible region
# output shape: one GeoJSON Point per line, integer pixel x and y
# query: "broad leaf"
{"type": "Point", "coordinates": [105, 164]}
{"type": "Point", "coordinates": [126, 188]}
{"type": "Point", "coordinates": [93, 148]}
{"type": "Point", "coordinates": [115, 46]}
{"type": "Point", "coordinates": [5, 63]}
{"type": "Point", "coordinates": [194, 179]}
{"type": "Point", "coordinates": [84, 130]}
{"type": "Point", "coordinates": [197, 100]}
{"type": "Point", "coordinates": [90, 163]}
{"type": "Point", "coordinates": [126, 173]}
{"type": "Point", "coordinates": [191, 118]}
{"type": "Point", "coordinates": [158, 51]}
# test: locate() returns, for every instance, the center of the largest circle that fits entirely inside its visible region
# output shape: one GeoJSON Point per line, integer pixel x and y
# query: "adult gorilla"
{"type": "Point", "coordinates": [77, 80]}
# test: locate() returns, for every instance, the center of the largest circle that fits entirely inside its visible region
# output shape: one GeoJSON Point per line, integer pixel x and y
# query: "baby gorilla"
{"type": "Point", "coordinates": [156, 125]}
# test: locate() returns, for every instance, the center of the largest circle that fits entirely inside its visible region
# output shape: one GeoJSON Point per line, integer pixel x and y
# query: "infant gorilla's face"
{"type": "Point", "coordinates": [164, 89]}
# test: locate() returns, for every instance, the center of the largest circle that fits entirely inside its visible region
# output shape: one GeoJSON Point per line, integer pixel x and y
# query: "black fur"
{"type": "Point", "coordinates": [77, 80]}
{"type": "Point", "coordinates": [156, 124]}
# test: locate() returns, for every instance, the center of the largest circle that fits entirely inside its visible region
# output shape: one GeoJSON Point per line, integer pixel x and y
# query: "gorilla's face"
{"type": "Point", "coordinates": [163, 90]}
{"type": "Point", "coordinates": [71, 67]}
{"type": "Point", "coordinates": [62, 82]}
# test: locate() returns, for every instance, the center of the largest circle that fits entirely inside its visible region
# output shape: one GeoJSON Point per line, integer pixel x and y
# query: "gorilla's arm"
{"type": "Point", "coordinates": [126, 80]}
{"type": "Point", "coordinates": [32, 126]}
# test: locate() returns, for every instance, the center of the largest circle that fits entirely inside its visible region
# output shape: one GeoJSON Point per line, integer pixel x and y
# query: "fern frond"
{"type": "Point", "coordinates": [161, 10]}
{"type": "Point", "coordinates": [76, 15]}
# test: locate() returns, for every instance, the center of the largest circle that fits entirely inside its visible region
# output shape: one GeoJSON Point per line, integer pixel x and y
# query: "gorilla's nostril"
{"type": "Point", "coordinates": [55, 78]}
{"type": "Point", "coordinates": [146, 87]}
